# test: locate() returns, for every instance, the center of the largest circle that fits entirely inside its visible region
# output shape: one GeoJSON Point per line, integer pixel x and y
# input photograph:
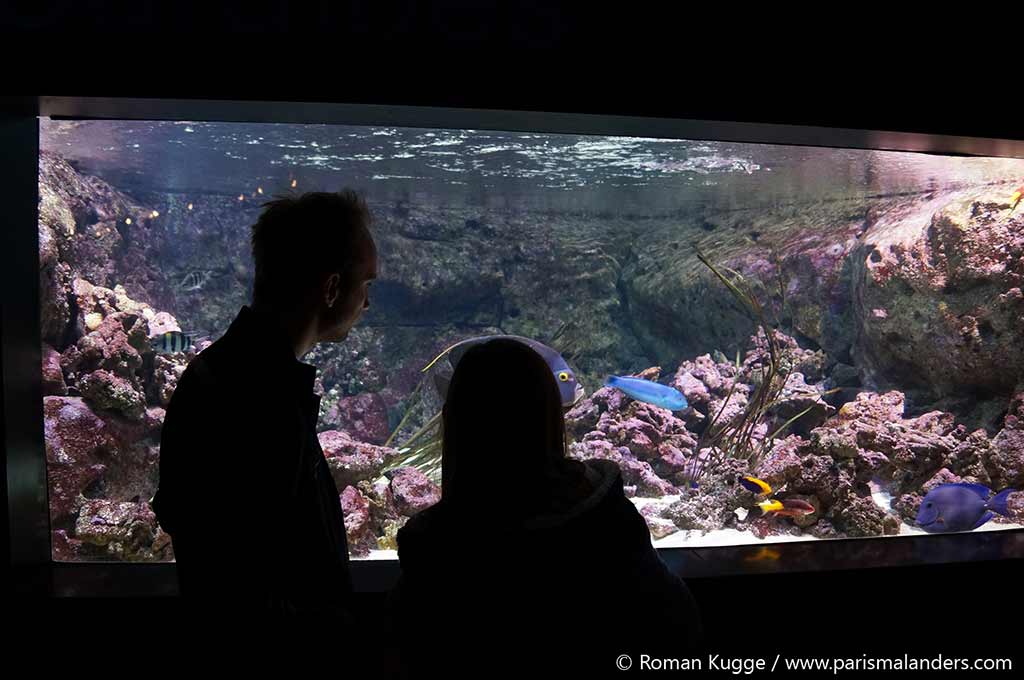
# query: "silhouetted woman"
{"type": "Point", "coordinates": [530, 558]}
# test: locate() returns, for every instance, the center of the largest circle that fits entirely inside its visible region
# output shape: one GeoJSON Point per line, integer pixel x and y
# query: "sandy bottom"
{"type": "Point", "coordinates": [727, 537]}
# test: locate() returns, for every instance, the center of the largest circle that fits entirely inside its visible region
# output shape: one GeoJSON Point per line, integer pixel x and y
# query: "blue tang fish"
{"type": "Point", "coordinates": [568, 386]}
{"type": "Point", "coordinates": [960, 507]}
{"type": "Point", "coordinates": [650, 392]}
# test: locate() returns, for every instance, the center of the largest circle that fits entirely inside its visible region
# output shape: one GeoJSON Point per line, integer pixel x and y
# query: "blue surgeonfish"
{"type": "Point", "coordinates": [568, 387]}
{"type": "Point", "coordinates": [960, 507]}
{"type": "Point", "coordinates": [649, 392]}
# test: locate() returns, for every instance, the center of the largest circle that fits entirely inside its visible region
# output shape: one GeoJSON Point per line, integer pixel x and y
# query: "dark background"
{"type": "Point", "coordinates": [858, 67]}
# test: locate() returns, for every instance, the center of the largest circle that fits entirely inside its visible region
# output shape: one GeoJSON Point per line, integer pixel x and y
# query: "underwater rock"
{"type": "Point", "coordinates": [106, 391]}
{"type": "Point", "coordinates": [96, 456]}
{"type": "Point", "coordinates": [649, 444]}
{"type": "Point", "coordinates": [758, 357]}
{"type": "Point", "coordinates": [411, 491]}
{"type": "Point", "coordinates": [704, 369]}
{"type": "Point", "coordinates": [695, 391]}
{"type": "Point", "coordinates": [729, 407]}
{"type": "Point", "coordinates": [352, 461]}
{"type": "Point", "coordinates": [364, 417]}
{"type": "Point", "coordinates": [64, 548]}
{"type": "Point", "coordinates": [783, 462]}
{"type": "Point", "coordinates": [133, 468]}
{"type": "Point", "coordinates": [356, 508]}
{"type": "Point", "coordinates": [675, 300]}
{"type": "Point", "coordinates": [77, 444]}
{"type": "Point", "coordinates": [383, 513]}
{"type": "Point", "coordinates": [635, 473]}
{"type": "Point", "coordinates": [812, 364]}
{"type": "Point", "coordinates": [163, 379]}
{"type": "Point", "coordinates": [941, 477]}
{"type": "Point", "coordinates": [154, 420]}
{"type": "Point", "coordinates": [796, 397]}
{"type": "Point", "coordinates": [660, 527]}
{"type": "Point", "coordinates": [824, 529]}
{"type": "Point", "coordinates": [844, 375]}
{"type": "Point", "coordinates": [54, 306]}
{"type": "Point", "coordinates": [53, 376]}
{"type": "Point", "coordinates": [582, 418]}
{"type": "Point", "coordinates": [641, 438]}
{"type": "Point", "coordinates": [88, 219]}
{"type": "Point", "coordinates": [916, 448]}
{"type": "Point", "coordinates": [162, 322]}
{"type": "Point", "coordinates": [906, 506]}
{"type": "Point", "coordinates": [1015, 506]}
{"type": "Point", "coordinates": [861, 517]}
{"type": "Point", "coordinates": [969, 457]}
{"type": "Point", "coordinates": [694, 513]}
{"type": "Point", "coordinates": [388, 539]}
{"type": "Point", "coordinates": [1005, 460]}
{"type": "Point", "coordinates": [835, 443]}
{"type": "Point", "coordinates": [823, 477]}
{"type": "Point", "coordinates": [871, 466]}
{"type": "Point", "coordinates": [124, 531]}
{"type": "Point", "coordinates": [669, 461]}
{"type": "Point", "coordinates": [54, 218]}
{"type": "Point", "coordinates": [114, 347]}
{"type": "Point", "coordinates": [934, 283]}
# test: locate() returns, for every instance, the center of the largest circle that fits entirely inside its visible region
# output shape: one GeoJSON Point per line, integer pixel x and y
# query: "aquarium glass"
{"type": "Point", "coordinates": [843, 326]}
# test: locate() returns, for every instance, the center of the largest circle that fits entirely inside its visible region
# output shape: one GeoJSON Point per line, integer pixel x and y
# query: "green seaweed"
{"type": "Point", "coordinates": [735, 438]}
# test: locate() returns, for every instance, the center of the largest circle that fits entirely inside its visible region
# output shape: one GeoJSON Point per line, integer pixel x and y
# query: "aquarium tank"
{"type": "Point", "coordinates": [773, 343]}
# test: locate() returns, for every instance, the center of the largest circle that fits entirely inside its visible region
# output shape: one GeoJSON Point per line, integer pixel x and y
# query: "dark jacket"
{"type": "Point", "coordinates": [576, 585]}
{"type": "Point", "coordinates": [245, 491]}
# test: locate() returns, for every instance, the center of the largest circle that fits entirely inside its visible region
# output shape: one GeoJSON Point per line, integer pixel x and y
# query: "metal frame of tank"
{"type": "Point", "coordinates": [22, 417]}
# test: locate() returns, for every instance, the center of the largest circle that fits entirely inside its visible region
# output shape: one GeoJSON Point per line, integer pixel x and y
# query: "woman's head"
{"type": "Point", "coordinates": [503, 427]}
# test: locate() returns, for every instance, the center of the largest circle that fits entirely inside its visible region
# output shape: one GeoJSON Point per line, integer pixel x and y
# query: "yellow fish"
{"type": "Point", "coordinates": [1015, 198]}
{"type": "Point", "coordinates": [791, 507]}
{"type": "Point", "coordinates": [755, 485]}
{"type": "Point", "coordinates": [764, 555]}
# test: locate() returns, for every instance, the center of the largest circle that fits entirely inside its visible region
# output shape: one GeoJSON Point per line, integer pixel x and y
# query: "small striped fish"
{"type": "Point", "coordinates": [194, 280]}
{"type": "Point", "coordinates": [171, 341]}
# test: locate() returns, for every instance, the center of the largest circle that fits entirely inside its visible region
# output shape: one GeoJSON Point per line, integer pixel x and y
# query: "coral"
{"type": "Point", "coordinates": [352, 461]}
{"type": "Point", "coordinates": [120, 531]}
{"type": "Point", "coordinates": [356, 508]}
{"type": "Point", "coordinates": [411, 491]}
{"type": "Point", "coordinates": [104, 390]}
{"type": "Point", "coordinates": [53, 376]}
{"type": "Point", "coordinates": [364, 417]}
{"type": "Point", "coordinates": [861, 517]}
{"type": "Point", "coordinates": [1005, 460]}
{"type": "Point", "coordinates": [637, 474]}
{"type": "Point", "coordinates": [77, 445]}
{"type": "Point", "coordinates": [937, 295]}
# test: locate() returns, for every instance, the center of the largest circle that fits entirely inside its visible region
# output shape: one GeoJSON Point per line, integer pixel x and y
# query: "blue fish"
{"type": "Point", "coordinates": [650, 392]}
{"type": "Point", "coordinates": [960, 507]}
{"type": "Point", "coordinates": [568, 387]}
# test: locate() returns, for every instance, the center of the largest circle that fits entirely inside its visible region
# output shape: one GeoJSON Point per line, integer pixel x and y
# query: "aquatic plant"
{"type": "Point", "coordinates": [423, 455]}
{"type": "Point", "coordinates": [736, 438]}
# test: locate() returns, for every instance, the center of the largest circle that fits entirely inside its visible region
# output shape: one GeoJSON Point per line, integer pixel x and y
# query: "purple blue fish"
{"type": "Point", "coordinates": [649, 392]}
{"type": "Point", "coordinates": [960, 507]}
{"type": "Point", "coordinates": [569, 388]}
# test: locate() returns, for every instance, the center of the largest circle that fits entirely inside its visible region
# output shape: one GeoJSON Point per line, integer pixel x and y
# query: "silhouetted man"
{"type": "Point", "coordinates": [245, 492]}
